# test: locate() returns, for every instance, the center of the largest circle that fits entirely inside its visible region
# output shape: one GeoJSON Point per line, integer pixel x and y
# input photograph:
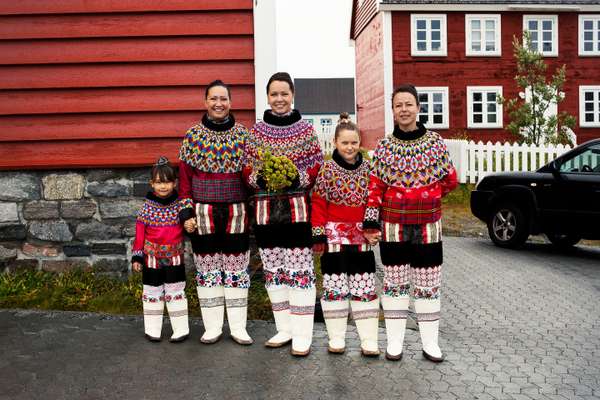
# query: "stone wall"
{"type": "Point", "coordinates": [59, 220]}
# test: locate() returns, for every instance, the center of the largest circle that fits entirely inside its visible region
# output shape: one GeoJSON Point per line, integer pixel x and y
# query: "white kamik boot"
{"type": "Point", "coordinates": [281, 313]}
{"type": "Point", "coordinates": [366, 318]}
{"type": "Point", "coordinates": [212, 307]}
{"type": "Point", "coordinates": [153, 319]}
{"type": "Point", "coordinates": [428, 315]}
{"type": "Point", "coordinates": [178, 314]}
{"type": "Point", "coordinates": [335, 313]}
{"type": "Point", "coordinates": [236, 302]}
{"type": "Point", "coordinates": [302, 315]}
{"type": "Point", "coordinates": [395, 312]}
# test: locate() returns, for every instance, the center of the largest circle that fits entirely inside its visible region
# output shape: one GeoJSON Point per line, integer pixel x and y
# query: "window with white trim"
{"type": "Point", "coordinates": [589, 106]}
{"type": "Point", "coordinates": [434, 107]}
{"type": "Point", "coordinates": [589, 35]}
{"type": "Point", "coordinates": [544, 33]}
{"type": "Point", "coordinates": [428, 34]}
{"type": "Point", "coordinates": [482, 34]}
{"type": "Point", "coordinates": [483, 110]}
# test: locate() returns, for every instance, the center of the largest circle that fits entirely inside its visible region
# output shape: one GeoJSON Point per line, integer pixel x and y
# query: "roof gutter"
{"type": "Point", "coordinates": [491, 7]}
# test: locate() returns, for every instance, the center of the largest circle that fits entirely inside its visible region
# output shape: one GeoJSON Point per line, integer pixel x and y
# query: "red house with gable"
{"type": "Point", "coordinates": [459, 56]}
{"type": "Point", "coordinates": [115, 83]}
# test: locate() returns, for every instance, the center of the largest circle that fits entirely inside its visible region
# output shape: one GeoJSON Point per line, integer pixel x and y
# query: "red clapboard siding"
{"type": "Point", "coordinates": [370, 83]}
{"type": "Point", "coordinates": [457, 71]}
{"type": "Point", "coordinates": [111, 6]}
{"type": "Point", "coordinates": [126, 50]}
{"type": "Point", "coordinates": [89, 154]}
{"type": "Point", "coordinates": [112, 83]}
{"type": "Point", "coordinates": [113, 100]}
{"type": "Point", "coordinates": [361, 16]}
{"type": "Point", "coordinates": [106, 126]}
{"type": "Point", "coordinates": [139, 74]}
{"type": "Point", "coordinates": [117, 25]}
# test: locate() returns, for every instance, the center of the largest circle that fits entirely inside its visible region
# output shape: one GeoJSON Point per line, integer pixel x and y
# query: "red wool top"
{"type": "Point", "coordinates": [411, 173]}
{"type": "Point", "coordinates": [339, 199]}
{"type": "Point", "coordinates": [158, 232]}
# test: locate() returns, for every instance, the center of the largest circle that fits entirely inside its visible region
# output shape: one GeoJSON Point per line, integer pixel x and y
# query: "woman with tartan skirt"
{"type": "Point", "coordinates": [282, 226]}
{"type": "Point", "coordinates": [339, 199]}
{"type": "Point", "coordinates": [158, 253]}
{"type": "Point", "coordinates": [211, 185]}
{"type": "Point", "coordinates": [411, 173]}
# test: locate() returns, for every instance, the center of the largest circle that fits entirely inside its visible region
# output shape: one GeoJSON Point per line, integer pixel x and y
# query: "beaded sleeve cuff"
{"type": "Point", "coordinates": [371, 218]}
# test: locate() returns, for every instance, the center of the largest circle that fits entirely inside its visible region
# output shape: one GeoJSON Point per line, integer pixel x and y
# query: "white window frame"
{"type": "Point", "coordinates": [539, 18]}
{"type": "Point", "coordinates": [499, 111]}
{"type": "Point", "coordinates": [469, 18]}
{"type": "Point", "coordinates": [443, 51]}
{"type": "Point", "coordinates": [595, 32]}
{"type": "Point", "coordinates": [596, 90]}
{"type": "Point", "coordinates": [445, 111]}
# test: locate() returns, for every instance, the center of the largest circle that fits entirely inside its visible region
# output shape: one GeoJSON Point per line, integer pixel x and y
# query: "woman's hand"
{"type": "Point", "coordinates": [137, 267]}
{"type": "Point", "coordinates": [372, 237]}
{"type": "Point", "coordinates": [190, 225]}
{"type": "Point", "coordinates": [319, 248]}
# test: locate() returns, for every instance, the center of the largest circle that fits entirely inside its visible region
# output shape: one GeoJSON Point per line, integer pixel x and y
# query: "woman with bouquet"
{"type": "Point", "coordinates": [282, 159]}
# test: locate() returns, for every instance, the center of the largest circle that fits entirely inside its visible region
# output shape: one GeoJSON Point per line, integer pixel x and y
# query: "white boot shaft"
{"type": "Point", "coordinates": [280, 304]}
{"type": "Point", "coordinates": [366, 318]}
{"type": "Point", "coordinates": [153, 318]}
{"type": "Point", "coordinates": [212, 307]}
{"type": "Point", "coordinates": [302, 315]}
{"type": "Point", "coordinates": [178, 314]}
{"type": "Point", "coordinates": [236, 301]}
{"type": "Point", "coordinates": [395, 311]}
{"type": "Point", "coordinates": [335, 314]}
{"type": "Point", "coordinates": [428, 315]}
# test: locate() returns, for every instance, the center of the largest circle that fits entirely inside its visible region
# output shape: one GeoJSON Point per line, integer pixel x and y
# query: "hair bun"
{"type": "Point", "coordinates": [162, 160]}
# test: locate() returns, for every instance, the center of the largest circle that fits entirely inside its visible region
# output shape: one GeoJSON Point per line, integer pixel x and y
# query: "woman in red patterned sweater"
{"type": "Point", "coordinates": [211, 185]}
{"type": "Point", "coordinates": [283, 232]}
{"type": "Point", "coordinates": [348, 264]}
{"type": "Point", "coordinates": [411, 173]}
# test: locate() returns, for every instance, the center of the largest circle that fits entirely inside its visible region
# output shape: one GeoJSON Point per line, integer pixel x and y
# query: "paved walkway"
{"type": "Point", "coordinates": [515, 325]}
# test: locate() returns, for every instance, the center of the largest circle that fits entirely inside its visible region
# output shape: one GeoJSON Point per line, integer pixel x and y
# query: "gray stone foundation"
{"type": "Point", "coordinates": [60, 220]}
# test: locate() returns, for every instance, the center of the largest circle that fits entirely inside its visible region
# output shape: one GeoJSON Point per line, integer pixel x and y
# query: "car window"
{"type": "Point", "coordinates": [586, 162]}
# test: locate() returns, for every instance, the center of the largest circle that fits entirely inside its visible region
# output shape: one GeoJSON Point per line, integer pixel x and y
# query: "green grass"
{"type": "Point", "coordinates": [84, 290]}
{"type": "Point", "coordinates": [460, 196]}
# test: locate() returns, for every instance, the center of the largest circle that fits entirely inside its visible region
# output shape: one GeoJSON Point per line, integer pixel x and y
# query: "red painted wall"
{"type": "Point", "coordinates": [115, 83]}
{"type": "Point", "coordinates": [458, 71]}
{"type": "Point", "coordinates": [369, 82]}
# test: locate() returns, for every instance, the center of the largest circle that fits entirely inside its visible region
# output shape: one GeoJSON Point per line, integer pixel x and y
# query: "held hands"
{"type": "Point", "coordinates": [190, 225]}
{"type": "Point", "coordinates": [372, 237]}
{"type": "Point", "coordinates": [137, 267]}
{"type": "Point", "coordinates": [318, 248]}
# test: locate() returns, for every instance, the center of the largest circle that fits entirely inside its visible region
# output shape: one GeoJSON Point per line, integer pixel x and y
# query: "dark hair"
{"type": "Point", "coordinates": [283, 77]}
{"type": "Point", "coordinates": [406, 88]}
{"type": "Point", "coordinates": [217, 82]}
{"type": "Point", "coordinates": [345, 123]}
{"type": "Point", "coordinates": [163, 171]}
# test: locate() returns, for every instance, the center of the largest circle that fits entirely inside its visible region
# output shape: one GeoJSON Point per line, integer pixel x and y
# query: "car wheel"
{"type": "Point", "coordinates": [563, 240]}
{"type": "Point", "coordinates": [507, 226]}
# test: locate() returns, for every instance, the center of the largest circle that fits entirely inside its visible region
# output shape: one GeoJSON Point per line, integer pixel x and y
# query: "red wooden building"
{"type": "Point", "coordinates": [459, 55]}
{"type": "Point", "coordinates": [115, 83]}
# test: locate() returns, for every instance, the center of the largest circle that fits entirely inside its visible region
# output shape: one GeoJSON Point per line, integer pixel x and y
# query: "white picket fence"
{"type": "Point", "coordinates": [475, 160]}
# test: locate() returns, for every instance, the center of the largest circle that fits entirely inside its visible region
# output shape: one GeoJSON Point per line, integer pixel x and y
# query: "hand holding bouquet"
{"type": "Point", "coordinates": [277, 172]}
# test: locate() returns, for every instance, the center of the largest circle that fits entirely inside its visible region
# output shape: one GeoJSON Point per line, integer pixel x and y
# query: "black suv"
{"type": "Point", "coordinates": [561, 200]}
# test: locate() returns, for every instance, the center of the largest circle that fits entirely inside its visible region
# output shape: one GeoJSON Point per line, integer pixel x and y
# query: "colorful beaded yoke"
{"type": "Point", "coordinates": [345, 187]}
{"type": "Point", "coordinates": [411, 163]}
{"type": "Point", "coordinates": [211, 151]}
